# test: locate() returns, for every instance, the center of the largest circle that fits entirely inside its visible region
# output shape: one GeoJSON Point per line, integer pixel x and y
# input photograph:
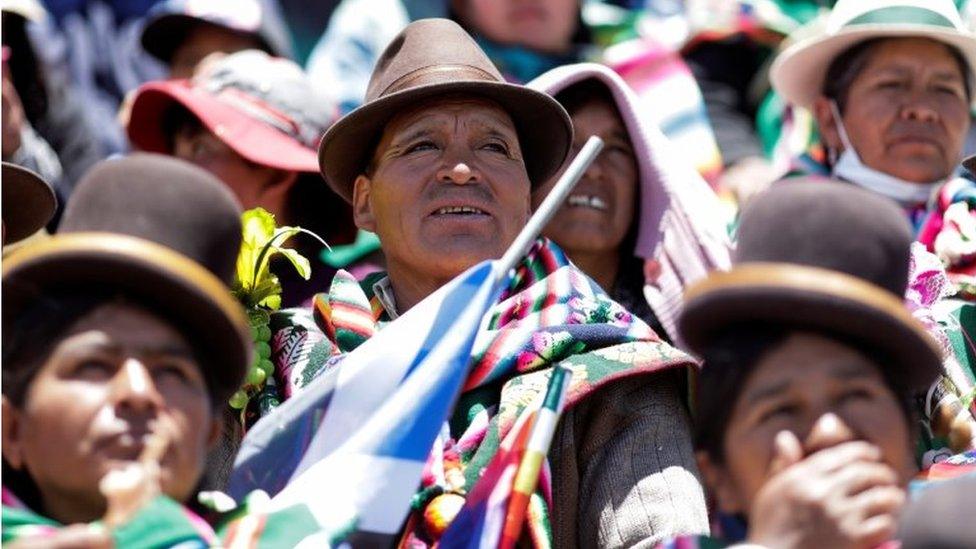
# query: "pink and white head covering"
{"type": "Point", "coordinates": [682, 230]}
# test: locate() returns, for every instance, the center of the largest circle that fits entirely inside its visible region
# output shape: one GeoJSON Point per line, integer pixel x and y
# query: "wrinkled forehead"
{"type": "Point", "coordinates": [451, 110]}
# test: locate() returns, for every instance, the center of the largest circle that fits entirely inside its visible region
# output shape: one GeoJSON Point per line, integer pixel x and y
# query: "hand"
{"type": "Point", "coordinates": [841, 497]}
{"type": "Point", "coordinates": [76, 536]}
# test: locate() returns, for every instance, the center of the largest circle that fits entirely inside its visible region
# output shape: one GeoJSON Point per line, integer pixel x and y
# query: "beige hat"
{"type": "Point", "coordinates": [798, 72]}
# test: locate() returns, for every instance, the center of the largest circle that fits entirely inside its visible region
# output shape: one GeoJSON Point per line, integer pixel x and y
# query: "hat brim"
{"type": "Point", "coordinates": [163, 34]}
{"type": "Point", "coordinates": [28, 202]}
{"type": "Point", "coordinates": [798, 72]}
{"type": "Point", "coordinates": [249, 137]}
{"type": "Point", "coordinates": [168, 282]}
{"type": "Point", "coordinates": [803, 297]}
{"type": "Point", "coordinates": [544, 129]}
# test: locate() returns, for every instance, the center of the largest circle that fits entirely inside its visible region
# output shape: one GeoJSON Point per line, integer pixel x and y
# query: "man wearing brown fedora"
{"type": "Point", "coordinates": [440, 162]}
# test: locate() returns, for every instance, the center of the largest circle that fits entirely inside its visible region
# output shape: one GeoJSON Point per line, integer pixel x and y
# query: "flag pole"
{"type": "Point", "coordinates": [548, 208]}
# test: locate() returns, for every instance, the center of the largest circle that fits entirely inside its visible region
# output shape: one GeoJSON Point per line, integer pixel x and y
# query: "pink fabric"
{"type": "Point", "coordinates": [682, 229]}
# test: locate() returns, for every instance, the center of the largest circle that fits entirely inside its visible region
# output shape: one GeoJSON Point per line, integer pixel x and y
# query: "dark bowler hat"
{"type": "Point", "coordinates": [160, 231]}
{"type": "Point", "coordinates": [28, 202]}
{"type": "Point", "coordinates": [163, 199]}
{"type": "Point", "coordinates": [825, 256]}
{"type": "Point", "coordinates": [433, 57]}
{"type": "Point", "coordinates": [970, 164]}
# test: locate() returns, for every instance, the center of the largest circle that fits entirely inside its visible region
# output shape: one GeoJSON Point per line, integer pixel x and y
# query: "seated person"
{"type": "Point", "coordinates": [806, 430]}
{"type": "Point", "coordinates": [440, 162]}
{"type": "Point", "coordinates": [113, 344]}
{"type": "Point", "coordinates": [254, 122]}
{"type": "Point", "coordinates": [641, 223]}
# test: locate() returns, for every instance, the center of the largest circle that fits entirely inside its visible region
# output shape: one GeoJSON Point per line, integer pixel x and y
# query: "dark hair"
{"type": "Point", "coordinates": [846, 67]}
{"type": "Point", "coordinates": [30, 338]}
{"type": "Point", "coordinates": [584, 92]}
{"type": "Point", "coordinates": [730, 359]}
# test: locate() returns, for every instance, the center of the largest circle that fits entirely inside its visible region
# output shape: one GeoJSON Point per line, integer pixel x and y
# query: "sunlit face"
{"type": "Point", "coordinates": [599, 213]}
{"type": "Point", "coordinates": [117, 376]}
{"type": "Point", "coordinates": [822, 391]}
{"type": "Point", "coordinates": [201, 41]}
{"type": "Point", "coordinates": [544, 25]}
{"type": "Point", "coordinates": [447, 189]}
{"type": "Point", "coordinates": [907, 113]}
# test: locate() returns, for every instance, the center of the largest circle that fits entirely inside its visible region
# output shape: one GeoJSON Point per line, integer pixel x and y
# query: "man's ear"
{"type": "Point", "coordinates": [719, 483]}
{"type": "Point", "coordinates": [10, 443]}
{"type": "Point", "coordinates": [827, 124]}
{"type": "Point", "coordinates": [362, 206]}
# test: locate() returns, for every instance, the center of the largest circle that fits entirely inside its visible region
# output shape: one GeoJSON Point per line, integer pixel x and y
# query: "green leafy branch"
{"type": "Point", "coordinates": [255, 285]}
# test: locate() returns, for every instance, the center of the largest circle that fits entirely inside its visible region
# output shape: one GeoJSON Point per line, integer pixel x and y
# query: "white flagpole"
{"type": "Point", "coordinates": [548, 208]}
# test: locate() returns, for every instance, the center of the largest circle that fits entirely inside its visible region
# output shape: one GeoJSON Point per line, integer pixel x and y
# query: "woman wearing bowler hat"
{"type": "Point", "coordinates": [806, 426]}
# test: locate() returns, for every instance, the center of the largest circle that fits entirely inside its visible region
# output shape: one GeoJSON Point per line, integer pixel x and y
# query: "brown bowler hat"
{"type": "Point", "coordinates": [162, 199]}
{"type": "Point", "coordinates": [28, 202]}
{"type": "Point", "coordinates": [824, 256]}
{"type": "Point", "coordinates": [432, 57]}
{"type": "Point", "coordinates": [161, 231]}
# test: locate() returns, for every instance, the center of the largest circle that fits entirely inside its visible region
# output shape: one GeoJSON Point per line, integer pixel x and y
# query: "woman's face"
{"type": "Point", "coordinates": [543, 25]}
{"type": "Point", "coordinates": [117, 376]}
{"type": "Point", "coordinates": [907, 113]}
{"type": "Point", "coordinates": [600, 211]}
{"type": "Point", "coordinates": [823, 392]}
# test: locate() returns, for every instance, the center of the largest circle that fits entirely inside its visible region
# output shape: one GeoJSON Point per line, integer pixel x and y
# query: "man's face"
{"type": "Point", "coordinates": [907, 113]}
{"type": "Point", "coordinates": [118, 375]}
{"type": "Point", "coordinates": [447, 189]}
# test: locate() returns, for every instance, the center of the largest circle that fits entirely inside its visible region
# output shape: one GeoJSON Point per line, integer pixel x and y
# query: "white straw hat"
{"type": "Point", "coordinates": [798, 72]}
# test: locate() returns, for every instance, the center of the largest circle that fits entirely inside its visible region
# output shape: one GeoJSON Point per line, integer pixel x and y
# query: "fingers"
{"type": "Point", "coordinates": [787, 451]}
{"type": "Point", "coordinates": [837, 457]}
{"type": "Point", "coordinates": [876, 530]}
{"type": "Point", "coordinates": [858, 477]}
{"type": "Point", "coordinates": [879, 501]}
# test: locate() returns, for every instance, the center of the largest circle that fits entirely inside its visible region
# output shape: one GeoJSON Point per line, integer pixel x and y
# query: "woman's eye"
{"type": "Point", "coordinates": [94, 369]}
{"type": "Point", "coordinates": [778, 412]}
{"type": "Point", "coordinates": [855, 394]}
{"type": "Point", "coordinates": [890, 84]}
{"type": "Point", "coordinates": [172, 371]}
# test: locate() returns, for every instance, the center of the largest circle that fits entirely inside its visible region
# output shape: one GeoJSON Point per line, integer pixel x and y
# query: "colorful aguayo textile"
{"type": "Point", "coordinates": [551, 314]}
{"type": "Point", "coordinates": [165, 524]}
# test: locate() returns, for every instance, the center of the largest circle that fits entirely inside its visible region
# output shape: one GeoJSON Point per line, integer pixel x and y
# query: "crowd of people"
{"type": "Point", "coordinates": [260, 293]}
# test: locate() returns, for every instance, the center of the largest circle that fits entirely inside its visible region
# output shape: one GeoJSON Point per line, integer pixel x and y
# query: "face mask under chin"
{"type": "Point", "coordinates": [849, 167]}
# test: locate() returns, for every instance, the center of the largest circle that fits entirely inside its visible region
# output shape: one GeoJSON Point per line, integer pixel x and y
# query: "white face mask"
{"type": "Point", "coordinates": [850, 168]}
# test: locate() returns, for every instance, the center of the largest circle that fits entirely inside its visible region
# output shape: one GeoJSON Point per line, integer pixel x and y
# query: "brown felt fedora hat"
{"type": "Point", "coordinates": [433, 57]}
{"type": "Point", "coordinates": [824, 256]}
{"type": "Point", "coordinates": [28, 202]}
{"type": "Point", "coordinates": [161, 231]}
